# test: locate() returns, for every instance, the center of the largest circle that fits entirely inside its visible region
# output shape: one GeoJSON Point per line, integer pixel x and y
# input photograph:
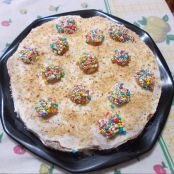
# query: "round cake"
{"type": "Point", "coordinates": [84, 83]}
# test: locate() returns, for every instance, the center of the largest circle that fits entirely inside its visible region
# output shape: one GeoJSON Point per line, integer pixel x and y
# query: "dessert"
{"type": "Point", "coordinates": [28, 55]}
{"type": "Point", "coordinates": [59, 45]}
{"type": "Point", "coordinates": [95, 37]}
{"type": "Point", "coordinates": [88, 63]}
{"type": "Point", "coordinates": [97, 104]}
{"type": "Point", "coordinates": [121, 57]}
{"type": "Point", "coordinates": [52, 73]}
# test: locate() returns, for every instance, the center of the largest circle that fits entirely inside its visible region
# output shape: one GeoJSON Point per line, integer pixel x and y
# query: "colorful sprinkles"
{"type": "Point", "coordinates": [120, 95]}
{"type": "Point", "coordinates": [121, 57]}
{"type": "Point", "coordinates": [46, 107]}
{"type": "Point", "coordinates": [28, 55]}
{"type": "Point", "coordinates": [80, 95]}
{"type": "Point", "coordinates": [112, 126]}
{"type": "Point", "coordinates": [52, 73]}
{"type": "Point", "coordinates": [120, 33]}
{"type": "Point", "coordinates": [67, 25]}
{"type": "Point", "coordinates": [145, 79]}
{"type": "Point", "coordinates": [59, 46]}
{"type": "Point", "coordinates": [88, 63]}
{"type": "Point", "coordinates": [94, 37]}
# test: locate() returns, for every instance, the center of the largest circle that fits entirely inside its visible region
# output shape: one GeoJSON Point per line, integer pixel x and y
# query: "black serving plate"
{"type": "Point", "coordinates": [79, 162]}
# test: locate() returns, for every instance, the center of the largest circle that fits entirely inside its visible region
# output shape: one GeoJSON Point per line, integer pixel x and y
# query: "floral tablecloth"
{"type": "Point", "coordinates": [153, 16]}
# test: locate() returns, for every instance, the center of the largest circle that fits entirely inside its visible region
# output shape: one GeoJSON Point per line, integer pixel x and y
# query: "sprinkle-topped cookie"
{"type": "Point", "coordinates": [119, 95]}
{"type": "Point", "coordinates": [52, 73]}
{"type": "Point", "coordinates": [112, 126]}
{"type": "Point", "coordinates": [59, 46]}
{"type": "Point", "coordinates": [120, 33]}
{"type": "Point", "coordinates": [88, 63]}
{"type": "Point", "coordinates": [121, 57]}
{"type": "Point", "coordinates": [46, 107]}
{"type": "Point", "coordinates": [67, 25]}
{"type": "Point", "coordinates": [80, 95]}
{"type": "Point", "coordinates": [145, 79]}
{"type": "Point", "coordinates": [28, 55]}
{"type": "Point", "coordinates": [95, 37]}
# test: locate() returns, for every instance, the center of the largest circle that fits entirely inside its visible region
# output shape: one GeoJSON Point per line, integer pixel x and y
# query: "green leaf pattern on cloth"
{"type": "Point", "coordinates": [169, 37]}
{"type": "Point", "coordinates": [23, 11]}
{"type": "Point", "coordinates": [6, 46]}
{"type": "Point", "coordinates": [84, 5]}
{"type": "Point", "coordinates": [38, 17]}
{"type": "Point", "coordinates": [143, 21]}
{"type": "Point", "coordinates": [117, 171]}
{"type": "Point", "coordinates": [137, 24]}
{"type": "Point", "coordinates": [163, 164]}
{"type": "Point", "coordinates": [53, 8]}
{"type": "Point", "coordinates": [165, 18]}
{"type": "Point", "coordinates": [1, 135]}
